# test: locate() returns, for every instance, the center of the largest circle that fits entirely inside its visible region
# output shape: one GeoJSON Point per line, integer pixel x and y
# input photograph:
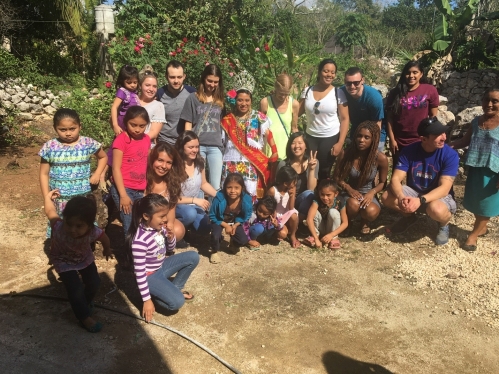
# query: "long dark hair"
{"type": "Point", "coordinates": [126, 72]}
{"type": "Point", "coordinates": [134, 112]}
{"type": "Point", "coordinates": [173, 178]}
{"type": "Point", "coordinates": [182, 140]}
{"type": "Point", "coordinates": [366, 162]}
{"type": "Point", "coordinates": [289, 153]}
{"type": "Point", "coordinates": [148, 205]}
{"type": "Point", "coordinates": [234, 177]}
{"type": "Point", "coordinates": [324, 63]}
{"type": "Point", "coordinates": [218, 95]}
{"type": "Point", "coordinates": [402, 88]}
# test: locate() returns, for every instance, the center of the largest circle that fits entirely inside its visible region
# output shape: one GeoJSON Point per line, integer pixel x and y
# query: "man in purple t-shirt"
{"type": "Point", "coordinates": [430, 167]}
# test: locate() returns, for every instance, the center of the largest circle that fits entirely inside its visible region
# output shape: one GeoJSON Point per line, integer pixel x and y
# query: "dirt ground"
{"type": "Point", "coordinates": [381, 304]}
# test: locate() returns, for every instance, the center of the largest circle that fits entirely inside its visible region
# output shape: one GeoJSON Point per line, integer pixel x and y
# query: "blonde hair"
{"type": "Point", "coordinates": [283, 82]}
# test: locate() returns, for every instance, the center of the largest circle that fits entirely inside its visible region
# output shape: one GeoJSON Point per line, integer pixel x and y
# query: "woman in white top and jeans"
{"type": "Point", "coordinates": [327, 117]}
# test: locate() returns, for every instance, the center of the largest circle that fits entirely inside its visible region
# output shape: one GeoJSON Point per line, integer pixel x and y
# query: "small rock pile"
{"type": "Point", "coordinates": [27, 99]}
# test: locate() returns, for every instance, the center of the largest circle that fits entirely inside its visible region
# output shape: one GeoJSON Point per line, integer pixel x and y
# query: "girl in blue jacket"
{"type": "Point", "coordinates": [231, 207]}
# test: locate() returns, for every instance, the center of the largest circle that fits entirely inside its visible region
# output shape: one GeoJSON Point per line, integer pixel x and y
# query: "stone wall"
{"type": "Point", "coordinates": [27, 99]}
{"type": "Point", "coordinates": [464, 90]}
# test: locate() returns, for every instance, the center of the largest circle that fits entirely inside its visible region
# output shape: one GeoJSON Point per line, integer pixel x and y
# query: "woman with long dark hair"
{"type": "Point", "coordinates": [165, 174]}
{"type": "Point", "coordinates": [356, 170]}
{"type": "Point", "coordinates": [191, 208]}
{"type": "Point", "coordinates": [202, 114]}
{"type": "Point", "coordinates": [410, 102]}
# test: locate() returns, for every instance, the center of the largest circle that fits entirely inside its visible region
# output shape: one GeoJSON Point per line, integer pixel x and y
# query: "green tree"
{"type": "Point", "coordinates": [352, 30]}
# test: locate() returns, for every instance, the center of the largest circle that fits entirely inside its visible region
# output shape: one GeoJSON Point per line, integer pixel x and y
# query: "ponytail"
{"type": "Point", "coordinates": [147, 205]}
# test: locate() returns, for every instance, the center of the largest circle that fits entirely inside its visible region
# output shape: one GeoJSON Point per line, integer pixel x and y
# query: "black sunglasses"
{"type": "Point", "coordinates": [316, 107]}
{"type": "Point", "coordinates": [353, 83]}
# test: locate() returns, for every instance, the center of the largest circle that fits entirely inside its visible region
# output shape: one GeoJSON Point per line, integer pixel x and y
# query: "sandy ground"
{"type": "Point", "coordinates": [379, 305]}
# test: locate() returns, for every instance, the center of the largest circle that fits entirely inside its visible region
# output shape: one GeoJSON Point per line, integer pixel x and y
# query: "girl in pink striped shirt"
{"type": "Point", "coordinates": [152, 247]}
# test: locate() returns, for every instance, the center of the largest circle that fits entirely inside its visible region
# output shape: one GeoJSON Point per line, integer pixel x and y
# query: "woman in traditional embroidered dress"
{"type": "Point", "coordinates": [246, 132]}
{"type": "Point", "coordinates": [481, 194]}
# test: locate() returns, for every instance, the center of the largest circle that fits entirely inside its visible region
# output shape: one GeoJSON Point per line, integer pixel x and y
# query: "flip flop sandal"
{"type": "Point", "coordinates": [334, 244]}
{"type": "Point", "coordinates": [365, 230]}
{"type": "Point", "coordinates": [93, 329]}
{"type": "Point", "coordinates": [296, 244]}
{"type": "Point", "coordinates": [310, 241]}
{"type": "Point", "coordinates": [215, 258]}
{"type": "Point", "coordinates": [252, 248]}
{"type": "Point", "coordinates": [189, 297]}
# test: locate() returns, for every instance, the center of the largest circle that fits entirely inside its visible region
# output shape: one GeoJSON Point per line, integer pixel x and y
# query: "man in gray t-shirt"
{"type": "Point", "coordinates": [173, 97]}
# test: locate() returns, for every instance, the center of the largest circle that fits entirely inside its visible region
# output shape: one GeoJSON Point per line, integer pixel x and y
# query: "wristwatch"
{"type": "Point", "coordinates": [422, 200]}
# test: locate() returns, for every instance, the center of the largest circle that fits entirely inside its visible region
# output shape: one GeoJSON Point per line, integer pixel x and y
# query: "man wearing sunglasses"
{"type": "Point", "coordinates": [364, 102]}
{"type": "Point", "coordinates": [430, 167]}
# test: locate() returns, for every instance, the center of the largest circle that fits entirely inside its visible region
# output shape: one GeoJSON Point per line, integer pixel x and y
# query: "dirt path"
{"type": "Point", "coordinates": [379, 305]}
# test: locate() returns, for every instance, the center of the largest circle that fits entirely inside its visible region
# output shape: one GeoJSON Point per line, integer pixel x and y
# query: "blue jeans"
{"type": "Point", "coordinates": [258, 232]}
{"type": "Point", "coordinates": [213, 157]}
{"type": "Point", "coordinates": [81, 292]}
{"type": "Point", "coordinates": [193, 216]}
{"type": "Point", "coordinates": [168, 293]}
{"type": "Point", "coordinates": [134, 195]}
{"type": "Point", "coordinates": [304, 201]}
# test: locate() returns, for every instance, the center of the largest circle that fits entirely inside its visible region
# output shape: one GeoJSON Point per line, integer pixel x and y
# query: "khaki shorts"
{"type": "Point", "coordinates": [447, 200]}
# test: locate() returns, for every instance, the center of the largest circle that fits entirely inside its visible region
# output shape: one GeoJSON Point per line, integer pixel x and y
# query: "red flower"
{"type": "Point", "coordinates": [196, 52]}
{"type": "Point", "coordinates": [148, 36]}
{"type": "Point", "coordinates": [173, 53]}
{"type": "Point", "coordinates": [184, 40]}
{"type": "Point", "coordinates": [232, 94]}
{"type": "Point", "coordinates": [202, 39]}
{"type": "Point", "coordinates": [179, 50]}
{"type": "Point", "coordinates": [137, 48]}
{"type": "Point", "coordinates": [108, 84]}
{"type": "Point", "coordinates": [181, 45]}
{"type": "Point", "coordinates": [266, 47]}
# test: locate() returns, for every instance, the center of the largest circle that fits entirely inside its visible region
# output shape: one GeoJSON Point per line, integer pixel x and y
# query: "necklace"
{"type": "Point", "coordinates": [483, 126]}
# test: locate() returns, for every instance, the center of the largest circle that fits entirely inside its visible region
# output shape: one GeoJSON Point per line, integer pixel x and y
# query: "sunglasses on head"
{"type": "Point", "coordinates": [316, 107]}
{"type": "Point", "coordinates": [353, 83]}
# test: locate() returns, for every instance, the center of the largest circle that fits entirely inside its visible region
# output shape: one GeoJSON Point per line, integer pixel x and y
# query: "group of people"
{"type": "Point", "coordinates": [200, 162]}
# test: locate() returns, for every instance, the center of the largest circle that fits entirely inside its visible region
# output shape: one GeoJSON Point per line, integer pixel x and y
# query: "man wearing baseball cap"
{"type": "Point", "coordinates": [430, 167]}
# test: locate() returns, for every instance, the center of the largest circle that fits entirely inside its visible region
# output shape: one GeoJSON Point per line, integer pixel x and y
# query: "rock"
{"type": "Point", "coordinates": [49, 110]}
{"type": "Point", "coordinates": [50, 96]}
{"type": "Point", "coordinates": [31, 94]}
{"type": "Point", "coordinates": [23, 107]}
{"type": "Point", "coordinates": [10, 91]}
{"type": "Point", "coordinates": [55, 104]}
{"type": "Point", "coordinates": [25, 116]}
{"type": "Point", "coordinates": [45, 102]}
{"type": "Point", "coordinates": [43, 94]}
{"type": "Point", "coordinates": [381, 88]}
{"type": "Point", "coordinates": [443, 99]}
{"type": "Point", "coordinates": [21, 94]}
{"type": "Point", "coordinates": [35, 99]}
{"type": "Point", "coordinates": [36, 109]}
{"type": "Point", "coordinates": [446, 117]}
{"type": "Point", "coordinates": [48, 92]}
{"type": "Point", "coordinates": [452, 275]}
{"type": "Point", "coordinates": [4, 95]}
{"type": "Point", "coordinates": [15, 99]}
{"type": "Point", "coordinates": [95, 91]}
{"type": "Point", "coordinates": [3, 112]}
{"type": "Point", "coordinates": [463, 121]}
{"type": "Point", "coordinates": [6, 104]}
{"type": "Point", "coordinates": [455, 312]}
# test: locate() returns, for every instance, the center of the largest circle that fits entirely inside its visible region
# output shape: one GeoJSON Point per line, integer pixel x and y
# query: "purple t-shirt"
{"type": "Point", "coordinates": [414, 107]}
{"type": "Point", "coordinates": [128, 99]}
{"type": "Point", "coordinates": [425, 169]}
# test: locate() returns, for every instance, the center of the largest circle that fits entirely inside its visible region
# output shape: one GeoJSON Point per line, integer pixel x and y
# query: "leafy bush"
{"type": "Point", "coordinates": [94, 113]}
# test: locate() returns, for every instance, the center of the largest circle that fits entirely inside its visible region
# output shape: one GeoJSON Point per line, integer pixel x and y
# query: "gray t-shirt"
{"type": "Point", "coordinates": [301, 183]}
{"type": "Point", "coordinates": [205, 119]}
{"type": "Point", "coordinates": [173, 108]}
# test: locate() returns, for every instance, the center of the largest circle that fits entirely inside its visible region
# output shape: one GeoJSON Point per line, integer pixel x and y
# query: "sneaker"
{"type": "Point", "coordinates": [182, 244]}
{"type": "Point", "coordinates": [403, 224]}
{"type": "Point", "coordinates": [443, 235]}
